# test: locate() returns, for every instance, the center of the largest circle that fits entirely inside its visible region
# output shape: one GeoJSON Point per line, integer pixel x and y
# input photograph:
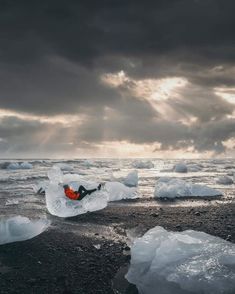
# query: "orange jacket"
{"type": "Point", "coordinates": [71, 194]}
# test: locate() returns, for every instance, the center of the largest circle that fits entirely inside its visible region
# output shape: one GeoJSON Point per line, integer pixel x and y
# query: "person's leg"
{"type": "Point", "coordinates": [83, 192]}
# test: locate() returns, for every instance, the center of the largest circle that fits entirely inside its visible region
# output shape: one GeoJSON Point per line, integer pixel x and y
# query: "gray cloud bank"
{"type": "Point", "coordinates": [54, 53]}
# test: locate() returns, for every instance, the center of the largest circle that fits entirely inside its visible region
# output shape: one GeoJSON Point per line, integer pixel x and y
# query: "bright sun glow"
{"type": "Point", "coordinates": [150, 89]}
{"type": "Point", "coordinates": [226, 93]}
{"type": "Point", "coordinates": [63, 119]}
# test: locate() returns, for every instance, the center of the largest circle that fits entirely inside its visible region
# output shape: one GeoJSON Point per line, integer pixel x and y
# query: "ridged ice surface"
{"type": "Point", "coordinates": [186, 262]}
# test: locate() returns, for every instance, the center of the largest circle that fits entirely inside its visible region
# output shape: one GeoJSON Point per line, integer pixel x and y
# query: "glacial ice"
{"type": "Point", "coordinates": [118, 191]}
{"type": "Point", "coordinates": [131, 180]}
{"type": "Point", "coordinates": [194, 168]}
{"type": "Point", "coordinates": [21, 228]}
{"type": "Point", "coordinates": [22, 165]}
{"type": "Point", "coordinates": [142, 164]}
{"type": "Point", "coordinates": [164, 262]}
{"type": "Point", "coordinates": [224, 180]}
{"type": "Point", "coordinates": [180, 168]}
{"type": "Point", "coordinates": [64, 166]}
{"type": "Point", "coordinates": [58, 204]}
{"type": "Point", "coordinates": [171, 188]}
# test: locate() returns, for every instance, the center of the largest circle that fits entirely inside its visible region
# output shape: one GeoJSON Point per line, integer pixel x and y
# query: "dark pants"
{"type": "Point", "coordinates": [83, 192]}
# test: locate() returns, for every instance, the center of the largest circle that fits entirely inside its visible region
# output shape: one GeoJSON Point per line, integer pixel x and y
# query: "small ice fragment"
{"type": "Point", "coordinates": [224, 180]}
{"type": "Point", "coordinates": [64, 166]}
{"type": "Point", "coordinates": [131, 179]}
{"type": "Point", "coordinates": [97, 246]}
{"type": "Point", "coordinates": [26, 165]}
{"type": "Point", "coordinates": [12, 202]}
{"type": "Point", "coordinates": [13, 165]}
{"type": "Point", "coordinates": [142, 164]}
{"type": "Point", "coordinates": [21, 228]}
{"type": "Point", "coordinates": [180, 168]}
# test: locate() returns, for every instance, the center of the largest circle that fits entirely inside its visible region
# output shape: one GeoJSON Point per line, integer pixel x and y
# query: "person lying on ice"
{"type": "Point", "coordinates": [80, 194]}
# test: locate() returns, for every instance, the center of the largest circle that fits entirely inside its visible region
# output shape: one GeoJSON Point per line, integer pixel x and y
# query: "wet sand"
{"type": "Point", "coordinates": [64, 259]}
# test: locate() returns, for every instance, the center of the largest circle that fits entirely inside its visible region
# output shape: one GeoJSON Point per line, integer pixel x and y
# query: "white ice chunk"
{"type": "Point", "coordinates": [23, 165]}
{"type": "Point", "coordinates": [64, 166]}
{"type": "Point", "coordinates": [12, 202]}
{"type": "Point", "coordinates": [172, 188]}
{"type": "Point", "coordinates": [224, 180]}
{"type": "Point", "coordinates": [88, 163]}
{"type": "Point", "coordinates": [26, 165]}
{"type": "Point", "coordinates": [131, 180]}
{"type": "Point", "coordinates": [118, 191]}
{"type": "Point", "coordinates": [58, 204]}
{"type": "Point", "coordinates": [186, 262]}
{"type": "Point", "coordinates": [21, 228]}
{"type": "Point", "coordinates": [13, 165]}
{"type": "Point", "coordinates": [142, 164]}
{"type": "Point", "coordinates": [180, 168]}
{"type": "Point", "coordinates": [194, 168]}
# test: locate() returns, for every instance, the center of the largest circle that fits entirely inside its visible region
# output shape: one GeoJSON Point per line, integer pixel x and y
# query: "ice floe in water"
{"type": "Point", "coordinates": [171, 188]}
{"type": "Point", "coordinates": [180, 168]}
{"type": "Point", "coordinates": [131, 180]}
{"type": "Point", "coordinates": [22, 165]}
{"type": "Point", "coordinates": [182, 263]}
{"type": "Point", "coordinates": [224, 180]}
{"type": "Point", "coordinates": [118, 191]}
{"type": "Point", "coordinates": [21, 228]}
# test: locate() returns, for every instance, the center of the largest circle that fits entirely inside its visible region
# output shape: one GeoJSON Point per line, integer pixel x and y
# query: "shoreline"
{"type": "Point", "coordinates": [64, 259]}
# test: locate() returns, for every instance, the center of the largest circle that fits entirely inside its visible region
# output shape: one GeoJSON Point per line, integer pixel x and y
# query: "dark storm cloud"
{"type": "Point", "coordinates": [53, 53]}
{"type": "Point", "coordinates": [163, 33]}
{"type": "Point", "coordinates": [84, 29]}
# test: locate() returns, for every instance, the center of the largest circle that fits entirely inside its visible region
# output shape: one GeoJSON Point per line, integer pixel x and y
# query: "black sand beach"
{"type": "Point", "coordinates": [65, 260]}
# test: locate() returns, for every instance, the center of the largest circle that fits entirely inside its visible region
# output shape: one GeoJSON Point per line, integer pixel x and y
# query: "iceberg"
{"type": "Point", "coordinates": [171, 188]}
{"type": "Point", "coordinates": [58, 204]}
{"type": "Point", "coordinates": [180, 168]}
{"type": "Point", "coordinates": [182, 263]}
{"type": "Point", "coordinates": [142, 164]}
{"type": "Point", "coordinates": [118, 191]}
{"type": "Point", "coordinates": [131, 180]}
{"type": "Point", "coordinates": [224, 180]}
{"type": "Point", "coordinates": [21, 228]}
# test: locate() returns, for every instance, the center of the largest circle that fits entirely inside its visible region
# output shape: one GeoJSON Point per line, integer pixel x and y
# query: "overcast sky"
{"type": "Point", "coordinates": [108, 78]}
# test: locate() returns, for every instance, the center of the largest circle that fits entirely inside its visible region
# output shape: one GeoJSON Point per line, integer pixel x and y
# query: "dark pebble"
{"type": "Point", "coordinates": [154, 214]}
